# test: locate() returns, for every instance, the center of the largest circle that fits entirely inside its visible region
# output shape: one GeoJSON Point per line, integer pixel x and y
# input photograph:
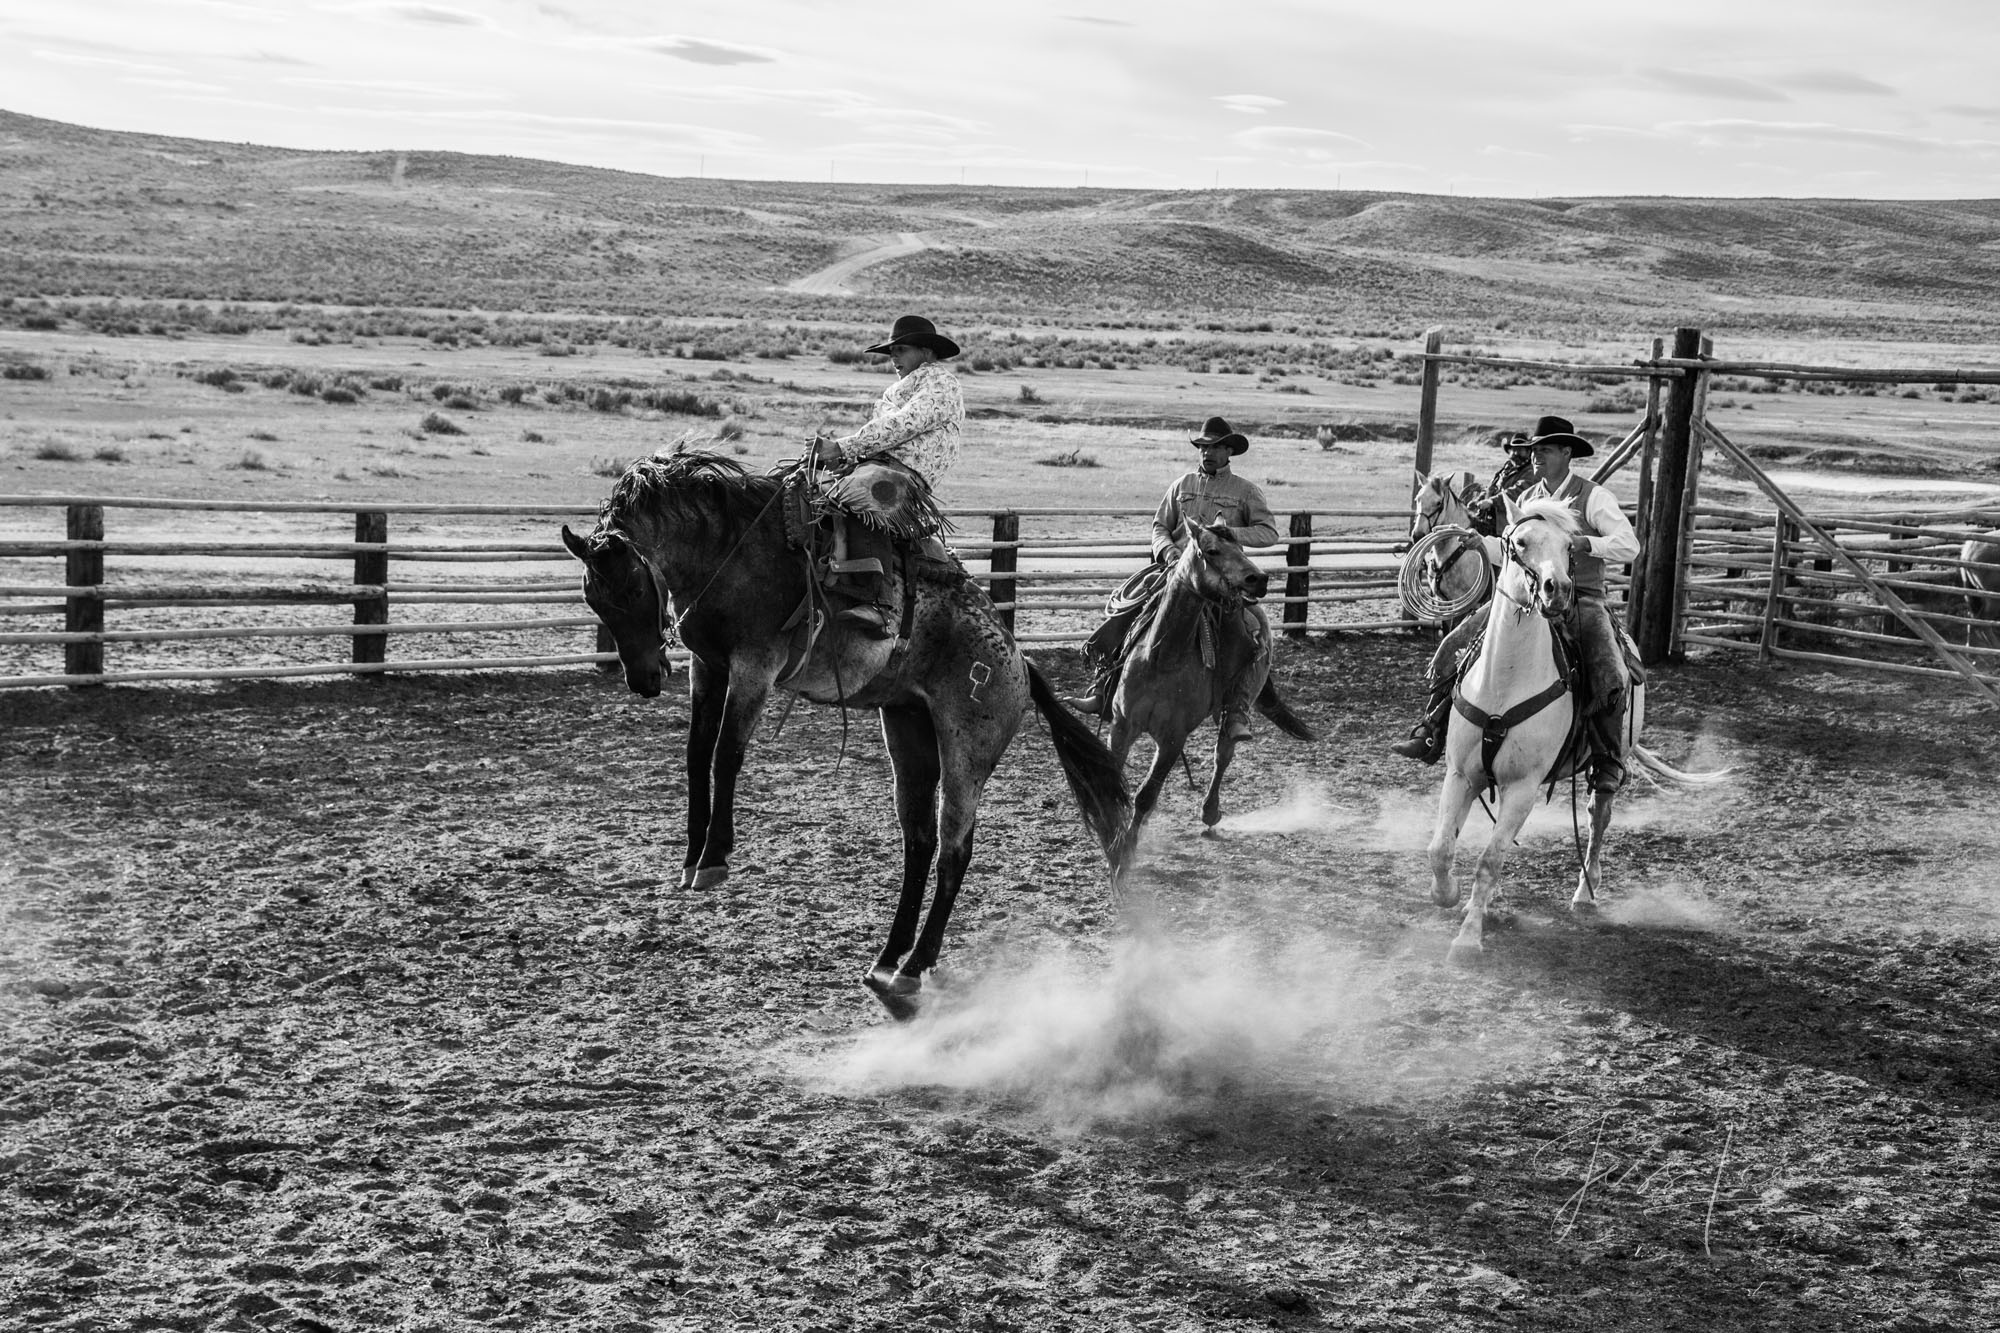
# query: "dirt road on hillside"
{"type": "Point", "coordinates": [833, 279]}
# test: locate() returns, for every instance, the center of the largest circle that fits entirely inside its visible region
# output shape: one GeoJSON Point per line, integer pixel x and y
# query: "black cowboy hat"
{"type": "Point", "coordinates": [1555, 430]}
{"type": "Point", "coordinates": [1216, 431]}
{"type": "Point", "coordinates": [1511, 439]}
{"type": "Point", "coordinates": [916, 331]}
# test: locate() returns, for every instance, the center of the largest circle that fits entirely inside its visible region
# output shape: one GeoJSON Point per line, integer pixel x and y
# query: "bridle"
{"type": "Point", "coordinates": [669, 623]}
{"type": "Point", "coordinates": [1511, 550]}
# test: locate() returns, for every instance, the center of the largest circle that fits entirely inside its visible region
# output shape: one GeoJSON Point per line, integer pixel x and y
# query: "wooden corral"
{"type": "Point", "coordinates": [1049, 571]}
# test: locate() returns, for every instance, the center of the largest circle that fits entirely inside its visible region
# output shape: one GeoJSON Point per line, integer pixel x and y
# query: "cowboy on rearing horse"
{"type": "Point", "coordinates": [889, 466]}
{"type": "Point", "coordinates": [1211, 494]}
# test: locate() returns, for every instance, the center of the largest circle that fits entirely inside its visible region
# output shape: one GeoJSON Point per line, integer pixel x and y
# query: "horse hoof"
{"type": "Point", "coordinates": [1209, 830]}
{"type": "Point", "coordinates": [1583, 907]}
{"type": "Point", "coordinates": [1463, 954]}
{"type": "Point", "coordinates": [897, 992]}
{"type": "Point", "coordinates": [1445, 897]}
{"type": "Point", "coordinates": [707, 877]}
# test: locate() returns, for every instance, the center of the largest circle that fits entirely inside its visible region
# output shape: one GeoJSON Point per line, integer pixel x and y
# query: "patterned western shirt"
{"type": "Point", "coordinates": [918, 422]}
{"type": "Point", "coordinates": [1226, 496]}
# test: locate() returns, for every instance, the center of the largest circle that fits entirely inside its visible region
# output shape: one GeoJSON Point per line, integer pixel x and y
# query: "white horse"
{"type": "Point", "coordinates": [1514, 688]}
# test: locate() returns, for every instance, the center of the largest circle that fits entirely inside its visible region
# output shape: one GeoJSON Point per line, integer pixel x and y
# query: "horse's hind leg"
{"type": "Point", "coordinates": [913, 755]}
{"type": "Point", "coordinates": [1590, 878]}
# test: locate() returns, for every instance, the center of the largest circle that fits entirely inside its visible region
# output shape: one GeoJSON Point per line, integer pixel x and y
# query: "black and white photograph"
{"type": "Point", "coordinates": [1026, 669]}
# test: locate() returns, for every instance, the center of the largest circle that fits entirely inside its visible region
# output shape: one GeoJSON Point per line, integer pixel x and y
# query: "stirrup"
{"type": "Point", "coordinates": [869, 617]}
{"type": "Point", "coordinates": [865, 565]}
{"type": "Point", "coordinates": [1090, 704]}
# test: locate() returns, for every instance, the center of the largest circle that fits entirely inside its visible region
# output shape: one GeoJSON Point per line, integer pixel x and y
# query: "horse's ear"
{"type": "Point", "coordinates": [1513, 513]}
{"type": "Point", "coordinates": [1418, 473]}
{"type": "Point", "coordinates": [577, 546]}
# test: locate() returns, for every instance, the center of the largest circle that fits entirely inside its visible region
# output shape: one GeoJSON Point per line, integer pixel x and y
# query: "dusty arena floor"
{"type": "Point", "coordinates": [375, 1006]}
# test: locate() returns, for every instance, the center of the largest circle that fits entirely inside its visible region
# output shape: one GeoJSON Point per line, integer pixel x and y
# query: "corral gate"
{"type": "Point", "coordinates": [1882, 590]}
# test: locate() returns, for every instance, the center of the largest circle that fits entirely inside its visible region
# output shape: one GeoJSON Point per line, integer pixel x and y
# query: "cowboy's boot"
{"type": "Point", "coordinates": [863, 577]}
{"type": "Point", "coordinates": [1104, 684]}
{"type": "Point", "coordinates": [1426, 742]}
{"type": "Point", "coordinates": [1607, 752]}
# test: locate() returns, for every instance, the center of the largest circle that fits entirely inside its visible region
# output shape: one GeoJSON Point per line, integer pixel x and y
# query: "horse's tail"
{"type": "Point", "coordinates": [1272, 705]}
{"type": "Point", "coordinates": [1095, 778]}
{"type": "Point", "coordinates": [1658, 771]}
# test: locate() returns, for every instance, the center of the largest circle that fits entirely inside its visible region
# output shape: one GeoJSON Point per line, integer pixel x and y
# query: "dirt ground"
{"type": "Point", "coordinates": [374, 1005]}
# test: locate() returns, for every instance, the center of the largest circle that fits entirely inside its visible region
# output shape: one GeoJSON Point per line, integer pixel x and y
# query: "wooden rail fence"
{"type": "Point", "coordinates": [119, 573]}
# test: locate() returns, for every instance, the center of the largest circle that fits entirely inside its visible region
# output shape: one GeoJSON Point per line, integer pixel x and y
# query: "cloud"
{"type": "Point", "coordinates": [1498, 150]}
{"type": "Point", "coordinates": [1991, 113]}
{"type": "Point", "coordinates": [395, 88]}
{"type": "Point", "coordinates": [107, 62]}
{"type": "Point", "coordinates": [1713, 85]}
{"type": "Point", "coordinates": [438, 14]}
{"type": "Point", "coordinates": [1249, 104]}
{"type": "Point", "coordinates": [1765, 133]}
{"type": "Point", "coordinates": [701, 51]}
{"type": "Point", "coordinates": [906, 122]}
{"type": "Point", "coordinates": [1093, 19]}
{"type": "Point", "coordinates": [1315, 145]}
{"type": "Point", "coordinates": [276, 58]}
{"type": "Point", "coordinates": [1835, 81]}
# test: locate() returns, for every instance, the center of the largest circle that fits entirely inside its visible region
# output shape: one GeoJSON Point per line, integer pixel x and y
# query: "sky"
{"type": "Point", "coordinates": [1798, 98]}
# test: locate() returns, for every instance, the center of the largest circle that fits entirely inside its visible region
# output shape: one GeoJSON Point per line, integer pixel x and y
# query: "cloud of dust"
{"type": "Point", "coordinates": [1171, 1023]}
{"type": "Point", "coordinates": [1670, 906]}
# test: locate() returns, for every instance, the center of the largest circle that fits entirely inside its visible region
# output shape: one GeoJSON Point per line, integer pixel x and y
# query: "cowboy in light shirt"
{"type": "Point", "coordinates": [1209, 494]}
{"type": "Point", "coordinates": [893, 462]}
{"type": "Point", "coordinates": [1607, 539]}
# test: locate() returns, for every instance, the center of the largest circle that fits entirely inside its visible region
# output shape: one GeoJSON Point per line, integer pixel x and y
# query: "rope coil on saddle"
{"type": "Point", "coordinates": [1425, 603]}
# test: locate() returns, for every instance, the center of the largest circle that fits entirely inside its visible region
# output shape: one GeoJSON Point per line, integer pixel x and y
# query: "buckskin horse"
{"type": "Point", "coordinates": [1186, 658]}
{"type": "Point", "coordinates": [688, 542]}
{"type": "Point", "coordinates": [1513, 721]}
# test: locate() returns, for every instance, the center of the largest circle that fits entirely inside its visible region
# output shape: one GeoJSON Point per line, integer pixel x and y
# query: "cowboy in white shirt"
{"type": "Point", "coordinates": [892, 463]}
{"type": "Point", "coordinates": [1607, 539]}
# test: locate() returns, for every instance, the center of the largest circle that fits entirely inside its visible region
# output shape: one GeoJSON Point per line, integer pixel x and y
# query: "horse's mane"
{"type": "Point", "coordinates": [686, 485]}
{"type": "Point", "coordinates": [1550, 508]}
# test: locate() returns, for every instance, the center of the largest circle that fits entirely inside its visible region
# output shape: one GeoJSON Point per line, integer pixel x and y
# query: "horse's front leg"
{"type": "Point", "coordinates": [1511, 810]}
{"type": "Point", "coordinates": [1166, 753]}
{"type": "Point", "coordinates": [1591, 878]}
{"type": "Point", "coordinates": [911, 739]}
{"type": "Point", "coordinates": [1211, 805]}
{"type": "Point", "coordinates": [1454, 804]}
{"type": "Point", "coordinates": [749, 687]}
{"type": "Point", "coordinates": [708, 690]}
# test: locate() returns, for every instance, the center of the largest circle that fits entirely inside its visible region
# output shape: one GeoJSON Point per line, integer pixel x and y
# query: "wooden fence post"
{"type": "Point", "coordinates": [1298, 575]}
{"type": "Point", "coordinates": [1427, 407]}
{"type": "Point", "coordinates": [371, 568]}
{"type": "Point", "coordinates": [1783, 533]}
{"type": "Point", "coordinates": [1002, 560]}
{"type": "Point", "coordinates": [1635, 591]}
{"type": "Point", "coordinates": [84, 615]}
{"type": "Point", "coordinates": [1653, 623]}
{"type": "Point", "coordinates": [1690, 501]}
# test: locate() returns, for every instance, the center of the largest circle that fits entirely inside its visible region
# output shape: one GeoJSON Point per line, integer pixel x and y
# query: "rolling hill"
{"type": "Point", "coordinates": [94, 213]}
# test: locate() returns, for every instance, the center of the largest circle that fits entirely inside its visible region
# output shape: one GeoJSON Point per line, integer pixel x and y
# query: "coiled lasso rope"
{"type": "Point", "coordinates": [1426, 604]}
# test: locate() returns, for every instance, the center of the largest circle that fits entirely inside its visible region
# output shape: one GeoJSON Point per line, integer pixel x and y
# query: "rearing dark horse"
{"type": "Point", "coordinates": [688, 539]}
